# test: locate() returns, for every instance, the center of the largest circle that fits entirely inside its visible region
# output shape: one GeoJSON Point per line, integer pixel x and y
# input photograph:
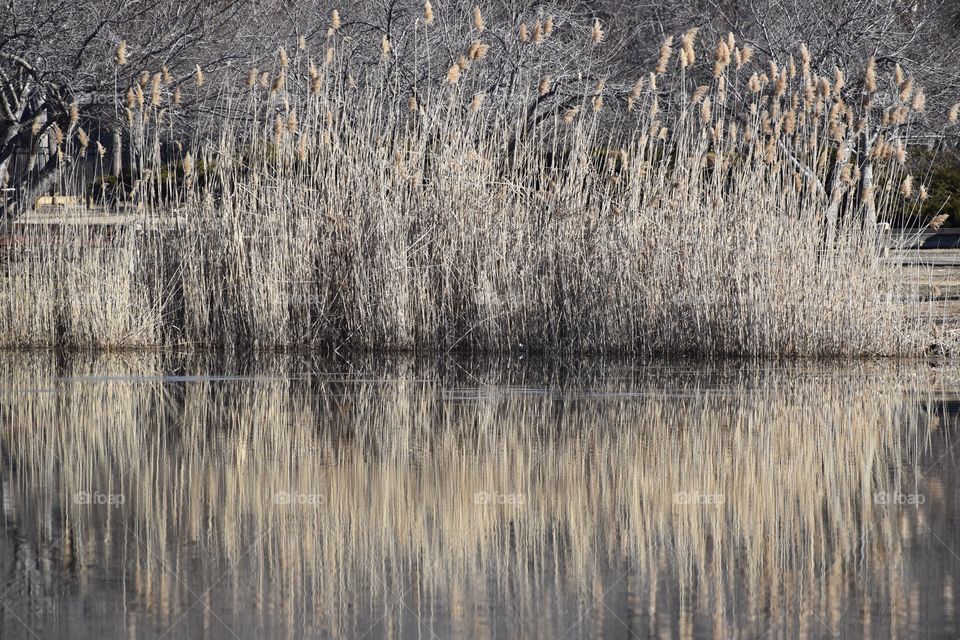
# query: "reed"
{"type": "Point", "coordinates": [342, 208]}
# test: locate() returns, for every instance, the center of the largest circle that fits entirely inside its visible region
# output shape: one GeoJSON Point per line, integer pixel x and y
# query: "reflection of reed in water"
{"type": "Point", "coordinates": [718, 501]}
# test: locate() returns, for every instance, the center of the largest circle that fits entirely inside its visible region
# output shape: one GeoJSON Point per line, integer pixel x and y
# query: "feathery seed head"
{"type": "Point", "coordinates": [453, 74]}
{"type": "Point", "coordinates": [705, 112]}
{"type": "Point", "coordinates": [838, 82]}
{"type": "Point", "coordinates": [906, 187]}
{"type": "Point", "coordinates": [335, 20]}
{"type": "Point", "coordinates": [478, 22]}
{"type": "Point", "coordinates": [919, 101]}
{"type": "Point", "coordinates": [477, 102]}
{"type": "Point", "coordinates": [686, 44]}
{"type": "Point", "coordinates": [428, 12]}
{"type": "Point", "coordinates": [870, 80]}
{"type": "Point", "coordinates": [537, 37]}
{"type": "Point", "coordinates": [596, 33]}
{"type": "Point", "coordinates": [120, 55]}
{"type": "Point", "coordinates": [906, 90]}
{"type": "Point", "coordinates": [279, 82]}
{"type": "Point", "coordinates": [302, 149]}
{"type": "Point", "coordinates": [665, 50]}
{"type": "Point", "coordinates": [900, 151]}
{"type": "Point", "coordinates": [722, 53]}
{"type": "Point", "coordinates": [155, 90]}
{"type": "Point", "coordinates": [544, 87]}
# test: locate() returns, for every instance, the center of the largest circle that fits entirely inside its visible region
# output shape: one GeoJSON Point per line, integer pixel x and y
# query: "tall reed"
{"type": "Point", "coordinates": [336, 205]}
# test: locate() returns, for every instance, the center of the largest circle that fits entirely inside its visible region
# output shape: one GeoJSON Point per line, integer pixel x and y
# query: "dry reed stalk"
{"type": "Point", "coordinates": [299, 227]}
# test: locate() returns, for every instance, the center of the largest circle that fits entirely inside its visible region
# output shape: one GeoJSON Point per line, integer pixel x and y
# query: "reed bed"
{"type": "Point", "coordinates": [411, 203]}
{"type": "Point", "coordinates": [398, 451]}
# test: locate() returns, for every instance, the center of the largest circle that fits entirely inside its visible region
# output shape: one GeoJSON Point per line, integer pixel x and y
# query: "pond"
{"type": "Point", "coordinates": [173, 496]}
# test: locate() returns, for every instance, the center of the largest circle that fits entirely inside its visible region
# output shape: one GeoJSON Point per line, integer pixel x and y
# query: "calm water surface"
{"type": "Point", "coordinates": [284, 497]}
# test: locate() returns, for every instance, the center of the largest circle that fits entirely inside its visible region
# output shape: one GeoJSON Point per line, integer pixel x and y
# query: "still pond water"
{"type": "Point", "coordinates": [286, 497]}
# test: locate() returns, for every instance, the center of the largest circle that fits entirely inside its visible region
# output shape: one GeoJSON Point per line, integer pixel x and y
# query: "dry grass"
{"type": "Point", "coordinates": [327, 210]}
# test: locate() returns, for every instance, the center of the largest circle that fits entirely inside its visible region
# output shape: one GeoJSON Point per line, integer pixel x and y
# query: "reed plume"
{"type": "Point", "coordinates": [919, 101]}
{"type": "Point", "coordinates": [523, 33]}
{"type": "Point", "coordinates": [544, 87]}
{"type": "Point", "coordinates": [120, 55]}
{"type": "Point", "coordinates": [596, 33]}
{"type": "Point", "coordinates": [453, 74]}
{"type": "Point", "coordinates": [906, 187]}
{"type": "Point", "coordinates": [870, 81]}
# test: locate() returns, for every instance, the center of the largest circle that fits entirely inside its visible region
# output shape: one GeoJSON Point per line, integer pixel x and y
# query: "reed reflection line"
{"type": "Point", "coordinates": [396, 455]}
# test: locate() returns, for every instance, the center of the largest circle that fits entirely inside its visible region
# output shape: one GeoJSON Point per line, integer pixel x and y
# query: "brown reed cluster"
{"type": "Point", "coordinates": [339, 207]}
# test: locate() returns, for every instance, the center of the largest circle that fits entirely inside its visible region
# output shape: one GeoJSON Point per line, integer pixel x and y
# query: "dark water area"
{"type": "Point", "coordinates": [158, 496]}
